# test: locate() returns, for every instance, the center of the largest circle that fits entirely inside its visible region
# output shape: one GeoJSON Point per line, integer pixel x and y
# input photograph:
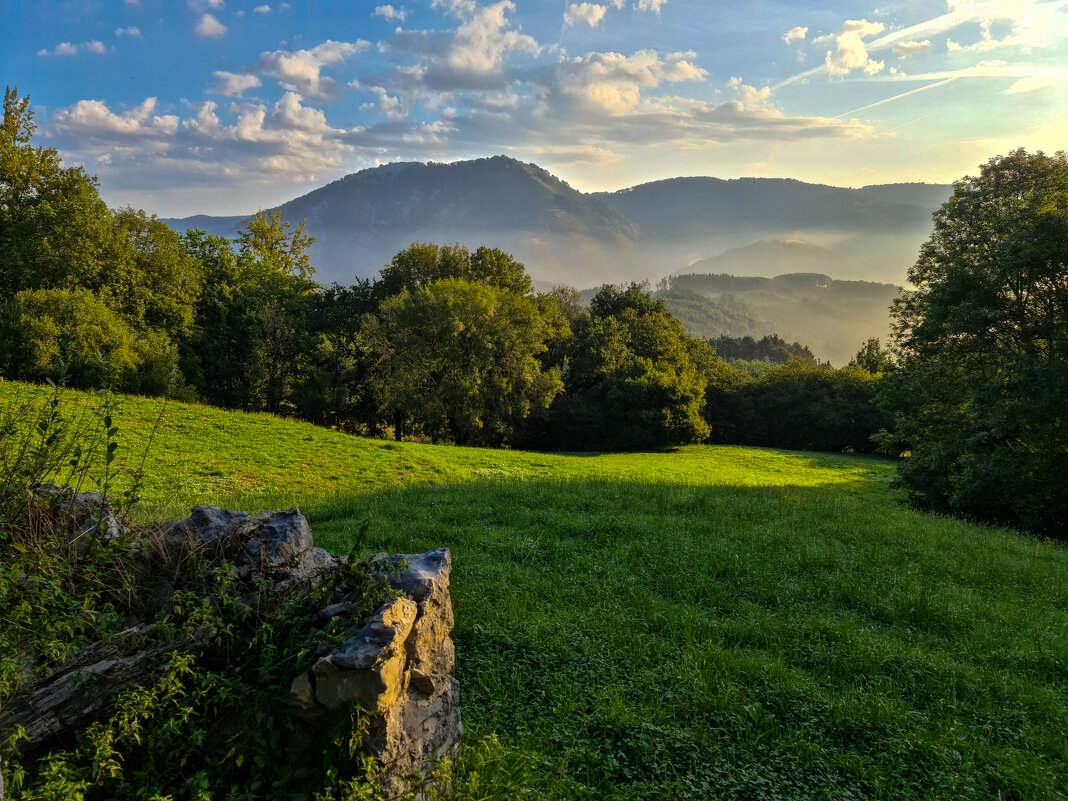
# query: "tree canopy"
{"type": "Point", "coordinates": [458, 361]}
{"type": "Point", "coordinates": [982, 342]}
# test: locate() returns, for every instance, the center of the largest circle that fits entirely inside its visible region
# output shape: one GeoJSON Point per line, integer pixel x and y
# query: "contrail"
{"type": "Point", "coordinates": [896, 97]}
{"type": "Point", "coordinates": [902, 125]}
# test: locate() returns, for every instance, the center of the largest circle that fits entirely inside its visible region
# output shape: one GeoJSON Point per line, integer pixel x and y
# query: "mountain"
{"type": "Point", "coordinates": [363, 219]}
{"type": "Point", "coordinates": [566, 236]}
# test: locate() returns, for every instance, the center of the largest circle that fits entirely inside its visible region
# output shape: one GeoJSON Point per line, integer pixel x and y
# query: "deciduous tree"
{"type": "Point", "coordinates": [981, 393]}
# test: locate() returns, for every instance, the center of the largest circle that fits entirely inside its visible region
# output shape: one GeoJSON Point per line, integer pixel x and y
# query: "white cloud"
{"type": "Point", "coordinates": [68, 49]}
{"type": "Point", "coordinates": [385, 103]}
{"type": "Point", "coordinates": [850, 51]}
{"type": "Point", "coordinates": [484, 39]}
{"type": "Point", "coordinates": [1035, 82]}
{"type": "Point", "coordinates": [303, 68]}
{"type": "Point", "coordinates": [391, 13]}
{"type": "Point", "coordinates": [211, 27]}
{"type": "Point", "coordinates": [612, 83]}
{"type": "Point", "coordinates": [906, 49]}
{"type": "Point", "coordinates": [795, 33]}
{"type": "Point", "coordinates": [92, 118]}
{"type": "Point", "coordinates": [233, 84]}
{"type": "Point", "coordinates": [264, 9]}
{"type": "Point", "coordinates": [288, 141]}
{"type": "Point", "coordinates": [651, 5]}
{"type": "Point", "coordinates": [590, 13]}
{"type": "Point", "coordinates": [1026, 35]}
{"type": "Point", "coordinates": [132, 32]}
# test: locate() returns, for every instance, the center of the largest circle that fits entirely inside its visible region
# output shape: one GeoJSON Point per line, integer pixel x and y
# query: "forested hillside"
{"type": "Point", "coordinates": [826, 314]}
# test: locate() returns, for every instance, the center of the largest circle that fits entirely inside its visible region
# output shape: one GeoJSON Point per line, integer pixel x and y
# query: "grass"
{"type": "Point", "coordinates": [707, 623]}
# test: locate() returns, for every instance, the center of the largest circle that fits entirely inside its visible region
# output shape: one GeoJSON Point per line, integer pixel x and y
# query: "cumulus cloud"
{"type": "Point", "coordinates": [288, 141]}
{"type": "Point", "coordinates": [795, 33]}
{"type": "Point", "coordinates": [302, 69]}
{"type": "Point", "coordinates": [131, 32]}
{"type": "Point", "coordinates": [612, 83]}
{"type": "Point", "coordinates": [68, 49]}
{"type": "Point", "coordinates": [850, 51]}
{"type": "Point", "coordinates": [485, 37]}
{"type": "Point", "coordinates": [391, 13]}
{"type": "Point", "coordinates": [651, 5]}
{"type": "Point", "coordinates": [210, 27]}
{"type": "Point", "coordinates": [590, 13]}
{"type": "Point", "coordinates": [906, 49]}
{"type": "Point", "coordinates": [264, 9]}
{"type": "Point", "coordinates": [93, 119]}
{"type": "Point", "coordinates": [233, 84]}
{"type": "Point", "coordinates": [385, 103]}
{"type": "Point", "coordinates": [483, 86]}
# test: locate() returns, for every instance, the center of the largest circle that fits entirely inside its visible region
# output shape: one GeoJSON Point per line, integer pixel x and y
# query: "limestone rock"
{"type": "Point", "coordinates": [277, 538]}
{"type": "Point", "coordinates": [368, 668]}
{"type": "Point", "coordinates": [213, 523]}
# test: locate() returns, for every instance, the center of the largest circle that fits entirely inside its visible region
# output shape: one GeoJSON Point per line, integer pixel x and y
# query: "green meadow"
{"type": "Point", "coordinates": [710, 622]}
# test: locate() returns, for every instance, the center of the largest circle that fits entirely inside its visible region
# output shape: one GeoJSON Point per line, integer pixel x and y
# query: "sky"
{"type": "Point", "coordinates": [228, 106]}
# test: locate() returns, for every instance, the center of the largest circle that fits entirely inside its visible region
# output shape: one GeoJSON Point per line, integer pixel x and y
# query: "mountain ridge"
{"type": "Point", "coordinates": [566, 236]}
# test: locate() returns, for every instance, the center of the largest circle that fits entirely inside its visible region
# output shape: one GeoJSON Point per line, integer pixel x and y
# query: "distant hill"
{"type": "Point", "coordinates": [773, 256]}
{"type": "Point", "coordinates": [872, 233]}
{"type": "Point", "coordinates": [566, 236]}
{"type": "Point", "coordinates": [831, 317]}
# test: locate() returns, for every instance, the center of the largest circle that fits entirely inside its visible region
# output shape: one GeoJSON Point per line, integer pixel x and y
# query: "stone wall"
{"type": "Point", "coordinates": [397, 666]}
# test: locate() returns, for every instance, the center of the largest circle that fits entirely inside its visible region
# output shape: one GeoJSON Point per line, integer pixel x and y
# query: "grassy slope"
{"type": "Point", "coordinates": [714, 622]}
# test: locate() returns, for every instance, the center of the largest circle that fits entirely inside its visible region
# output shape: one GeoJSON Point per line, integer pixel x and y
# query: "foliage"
{"type": "Point", "coordinates": [421, 264]}
{"type": "Point", "coordinates": [46, 330]}
{"type": "Point", "coordinates": [458, 360]}
{"type": "Point", "coordinates": [873, 357]}
{"type": "Point", "coordinates": [210, 725]}
{"type": "Point", "coordinates": [800, 405]}
{"type": "Point", "coordinates": [771, 348]}
{"type": "Point", "coordinates": [276, 246]}
{"type": "Point", "coordinates": [982, 344]}
{"type": "Point", "coordinates": [633, 379]}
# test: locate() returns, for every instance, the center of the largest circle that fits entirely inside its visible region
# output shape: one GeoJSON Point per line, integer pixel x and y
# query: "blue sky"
{"type": "Point", "coordinates": [226, 106]}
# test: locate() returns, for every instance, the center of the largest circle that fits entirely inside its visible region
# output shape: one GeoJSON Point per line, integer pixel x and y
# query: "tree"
{"type": "Point", "coordinates": [459, 361]}
{"type": "Point", "coordinates": [980, 393]}
{"type": "Point", "coordinates": [55, 231]}
{"type": "Point", "coordinates": [279, 247]}
{"type": "Point", "coordinates": [421, 264]}
{"type": "Point", "coordinates": [873, 357]}
{"type": "Point", "coordinates": [633, 378]}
